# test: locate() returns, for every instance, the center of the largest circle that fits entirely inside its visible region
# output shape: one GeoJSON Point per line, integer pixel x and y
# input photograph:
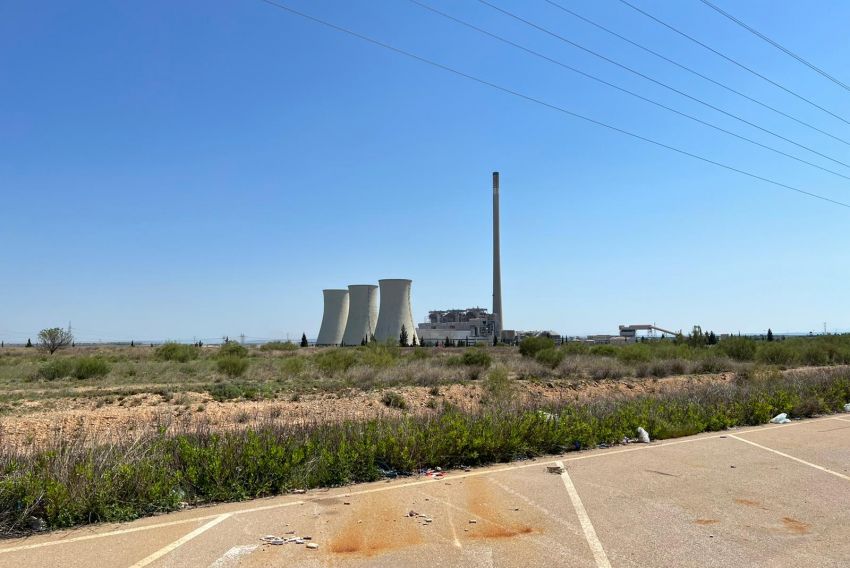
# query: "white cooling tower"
{"type": "Point", "coordinates": [395, 310]}
{"type": "Point", "coordinates": [334, 317]}
{"type": "Point", "coordinates": [362, 313]}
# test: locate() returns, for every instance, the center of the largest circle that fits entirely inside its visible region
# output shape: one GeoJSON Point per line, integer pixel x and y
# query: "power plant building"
{"type": "Point", "coordinates": [472, 325]}
{"type": "Point", "coordinates": [334, 318]}
{"type": "Point", "coordinates": [362, 314]}
{"type": "Point", "coordinates": [395, 311]}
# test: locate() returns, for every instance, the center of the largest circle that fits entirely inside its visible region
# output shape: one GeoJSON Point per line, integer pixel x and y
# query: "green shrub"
{"type": "Point", "coordinates": [394, 400]}
{"type": "Point", "coordinates": [575, 348]}
{"type": "Point", "coordinates": [815, 356]}
{"type": "Point", "coordinates": [279, 346]}
{"type": "Point", "coordinates": [635, 353]}
{"type": "Point", "coordinates": [476, 357]}
{"type": "Point", "coordinates": [232, 365]}
{"type": "Point", "coordinates": [90, 367]}
{"type": "Point", "coordinates": [603, 350]}
{"type": "Point", "coordinates": [293, 366]}
{"type": "Point", "coordinates": [776, 353]}
{"type": "Point", "coordinates": [232, 349]}
{"type": "Point", "coordinates": [498, 385]}
{"type": "Point", "coordinates": [551, 357]}
{"type": "Point", "coordinates": [529, 346]}
{"type": "Point", "coordinates": [738, 348]}
{"type": "Point", "coordinates": [173, 351]}
{"type": "Point", "coordinates": [376, 355]}
{"type": "Point", "coordinates": [335, 360]}
{"type": "Point", "coordinates": [56, 369]}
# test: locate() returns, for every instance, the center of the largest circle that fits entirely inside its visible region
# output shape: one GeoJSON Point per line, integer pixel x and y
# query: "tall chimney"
{"type": "Point", "coordinates": [497, 261]}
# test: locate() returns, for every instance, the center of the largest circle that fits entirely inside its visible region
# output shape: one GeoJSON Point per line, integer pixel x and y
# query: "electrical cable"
{"type": "Point", "coordinates": [548, 105]}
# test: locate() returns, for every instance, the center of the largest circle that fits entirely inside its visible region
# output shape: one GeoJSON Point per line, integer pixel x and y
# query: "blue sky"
{"type": "Point", "coordinates": [194, 169]}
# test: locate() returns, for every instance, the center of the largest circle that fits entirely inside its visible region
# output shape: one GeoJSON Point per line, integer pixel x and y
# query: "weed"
{"type": "Point", "coordinates": [90, 367]}
{"type": "Point", "coordinates": [232, 366]}
{"type": "Point", "coordinates": [172, 351]}
{"type": "Point", "coordinates": [394, 400]}
{"type": "Point", "coordinates": [279, 346]}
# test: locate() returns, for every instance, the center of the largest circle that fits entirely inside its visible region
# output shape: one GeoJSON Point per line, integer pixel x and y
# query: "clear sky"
{"type": "Point", "coordinates": [194, 169]}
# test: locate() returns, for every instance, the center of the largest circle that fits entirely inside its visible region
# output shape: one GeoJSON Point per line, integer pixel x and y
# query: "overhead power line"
{"type": "Point", "coordinates": [660, 83]}
{"type": "Point", "coordinates": [733, 61]}
{"type": "Point", "coordinates": [624, 90]}
{"type": "Point", "coordinates": [548, 105]}
{"type": "Point", "coordinates": [775, 44]}
{"type": "Point", "coordinates": [695, 72]}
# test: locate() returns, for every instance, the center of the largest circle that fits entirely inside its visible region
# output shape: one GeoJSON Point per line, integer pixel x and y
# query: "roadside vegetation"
{"type": "Point", "coordinates": [73, 483]}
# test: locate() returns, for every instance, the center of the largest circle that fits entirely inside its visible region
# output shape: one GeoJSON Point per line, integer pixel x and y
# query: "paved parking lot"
{"type": "Point", "coordinates": [767, 496]}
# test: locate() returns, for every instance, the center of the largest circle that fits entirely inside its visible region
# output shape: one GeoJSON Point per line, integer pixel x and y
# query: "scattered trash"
{"type": "Point", "coordinates": [412, 513]}
{"type": "Point", "coordinates": [472, 521]}
{"type": "Point", "coordinates": [847, 407]}
{"type": "Point", "coordinates": [555, 469]}
{"type": "Point", "coordinates": [780, 419]}
{"type": "Point", "coordinates": [467, 468]}
{"type": "Point", "coordinates": [346, 503]}
{"type": "Point", "coordinates": [601, 446]}
{"type": "Point", "coordinates": [625, 440]}
{"type": "Point", "coordinates": [429, 520]}
{"type": "Point", "coordinates": [299, 491]}
{"type": "Point", "coordinates": [312, 546]}
{"type": "Point", "coordinates": [37, 524]}
{"type": "Point", "coordinates": [547, 415]}
{"type": "Point", "coordinates": [432, 473]}
{"type": "Point", "coordinates": [643, 436]}
{"type": "Point", "coordinates": [182, 505]}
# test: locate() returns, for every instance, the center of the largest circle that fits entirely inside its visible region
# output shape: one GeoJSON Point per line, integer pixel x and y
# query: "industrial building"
{"type": "Point", "coordinates": [362, 314]}
{"type": "Point", "coordinates": [472, 325]}
{"type": "Point", "coordinates": [334, 317]}
{"type": "Point", "coordinates": [395, 311]}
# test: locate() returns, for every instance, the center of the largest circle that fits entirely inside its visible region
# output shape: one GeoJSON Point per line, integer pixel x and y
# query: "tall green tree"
{"type": "Point", "coordinates": [402, 337]}
{"type": "Point", "coordinates": [304, 342]}
{"type": "Point", "coordinates": [769, 334]}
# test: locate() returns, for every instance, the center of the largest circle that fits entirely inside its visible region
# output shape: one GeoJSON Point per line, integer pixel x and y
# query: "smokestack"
{"type": "Point", "coordinates": [497, 260]}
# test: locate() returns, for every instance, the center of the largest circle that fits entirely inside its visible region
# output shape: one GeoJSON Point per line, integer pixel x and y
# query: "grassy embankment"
{"type": "Point", "coordinates": [281, 370]}
{"type": "Point", "coordinates": [73, 483]}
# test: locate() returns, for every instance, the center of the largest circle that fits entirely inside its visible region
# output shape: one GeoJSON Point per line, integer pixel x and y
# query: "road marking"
{"type": "Point", "coordinates": [180, 541]}
{"type": "Point", "coordinates": [583, 519]}
{"type": "Point", "coordinates": [105, 534]}
{"type": "Point", "coordinates": [790, 457]}
{"type": "Point", "coordinates": [414, 483]}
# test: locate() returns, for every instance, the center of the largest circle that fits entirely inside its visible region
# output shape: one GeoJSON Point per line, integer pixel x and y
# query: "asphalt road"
{"type": "Point", "coordinates": [768, 496]}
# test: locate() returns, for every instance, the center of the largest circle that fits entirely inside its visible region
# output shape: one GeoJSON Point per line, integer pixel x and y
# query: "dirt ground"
{"type": "Point", "coordinates": [105, 420]}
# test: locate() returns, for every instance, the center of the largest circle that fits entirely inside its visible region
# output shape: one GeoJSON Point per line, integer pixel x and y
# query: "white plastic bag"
{"type": "Point", "coordinates": [847, 407]}
{"type": "Point", "coordinates": [643, 435]}
{"type": "Point", "coordinates": [780, 419]}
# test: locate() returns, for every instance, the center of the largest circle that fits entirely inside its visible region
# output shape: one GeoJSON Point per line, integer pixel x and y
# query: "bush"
{"type": "Point", "coordinates": [293, 366]}
{"type": "Point", "coordinates": [89, 367]}
{"type": "Point", "coordinates": [604, 350]}
{"type": "Point", "coordinates": [232, 349]}
{"type": "Point", "coordinates": [529, 346]}
{"type": "Point", "coordinates": [394, 400]}
{"type": "Point", "coordinates": [279, 346]}
{"type": "Point", "coordinates": [232, 366]}
{"type": "Point", "coordinates": [56, 369]}
{"type": "Point", "coordinates": [498, 386]}
{"type": "Point", "coordinates": [551, 357]}
{"type": "Point", "coordinates": [476, 358]}
{"type": "Point", "coordinates": [738, 348]}
{"type": "Point", "coordinates": [635, 353]}
{"type": "Point", "coordinates": [776, 353]}
{"type": "Point", "coordinates": [334, 361]}
{"type": "Point", "coordinates": [173, 351]}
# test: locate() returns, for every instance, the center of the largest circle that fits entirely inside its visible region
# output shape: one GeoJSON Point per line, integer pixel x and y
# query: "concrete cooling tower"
{"type": "Point", "coordinates": [334, 317]}
{"type": "Point", "coordinates": [395, 310]}
{"type": "Point", "coordinates": [362, 313]}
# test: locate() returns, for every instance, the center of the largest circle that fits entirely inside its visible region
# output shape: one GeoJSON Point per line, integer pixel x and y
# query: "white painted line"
{"type": "Point", "coordinates": [105, 534]}
{"type": "Point", "coordinates": [180, 541]}
{"type": "Point", "coordinates": [790, 457]}
{"type": "Point", "coordinates": [590, 455]}
{"type": "Point", "coordinates": [583, 519]}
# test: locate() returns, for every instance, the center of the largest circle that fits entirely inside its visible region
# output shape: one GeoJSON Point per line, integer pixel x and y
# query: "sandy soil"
{"type": "Point", "coordinates": [103, 422]}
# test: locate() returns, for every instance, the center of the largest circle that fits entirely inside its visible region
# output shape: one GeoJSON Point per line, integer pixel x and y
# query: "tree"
{"type": "Point", "coordinates": [448, 342]}
{"type": "Point", "coordinates": [304, 340]}
{"type": "Point", "coordinates": [29, 343]}
{"type": "Point", "coordinates": [712, 338]}
{"type": "Point", "coordinates": [363, 341]}
{"type": "Point", "coordinates": [53, 339]}
{"type": "Point", "coordinates": [413, 343]}
{"type": "Point", "coordinates": [495, 339]}
{"type": "Point", "coordinates": [402, 337]}
{"type": "Point", "coordinates": [769, 334]}
{"type": "Point", "coordinates": [132, 343]}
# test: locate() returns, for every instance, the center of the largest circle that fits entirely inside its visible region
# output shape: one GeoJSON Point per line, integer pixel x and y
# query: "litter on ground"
{"type": "Point", "coordinates": [642, 435]}
{"type": "Point", "coordinates": [780, 419]}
